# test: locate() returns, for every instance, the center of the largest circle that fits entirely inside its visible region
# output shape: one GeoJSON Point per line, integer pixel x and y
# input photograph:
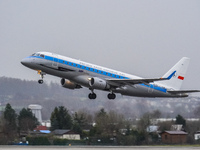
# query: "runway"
{"type": "Point", "coordinates": [98, 147]}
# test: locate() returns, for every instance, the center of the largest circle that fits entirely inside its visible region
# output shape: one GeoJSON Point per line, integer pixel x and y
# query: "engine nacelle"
{"type": "Point", "coordinates": [97, 83]}
{"type": "Point", "coordinates": [68, 84]}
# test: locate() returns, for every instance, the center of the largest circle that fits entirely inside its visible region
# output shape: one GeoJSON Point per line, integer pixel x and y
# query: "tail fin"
{"type": "Point", "coordinates": [180, 70]}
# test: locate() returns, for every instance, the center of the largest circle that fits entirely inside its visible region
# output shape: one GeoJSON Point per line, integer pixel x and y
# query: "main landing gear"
{"type": "Point", "coordinates": [111, 96]}
{"type": "Point", "coordinates": [92, 95]}
{"type": "Point", "coordinates": [40, 81]}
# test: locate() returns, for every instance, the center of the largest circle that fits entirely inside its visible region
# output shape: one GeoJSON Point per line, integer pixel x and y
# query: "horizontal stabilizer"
{"type": "Point", "coordinates": [183, 91]}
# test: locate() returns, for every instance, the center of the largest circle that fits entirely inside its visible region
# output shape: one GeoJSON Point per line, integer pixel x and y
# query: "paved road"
{"type": "Point", "coordinates": [98, 147]}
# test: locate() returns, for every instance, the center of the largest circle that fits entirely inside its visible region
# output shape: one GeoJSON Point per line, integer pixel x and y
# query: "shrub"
{"type": "Point", "coordinates": [40, 140]}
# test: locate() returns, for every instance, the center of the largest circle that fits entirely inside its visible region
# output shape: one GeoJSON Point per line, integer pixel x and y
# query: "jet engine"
{"type": "Point", "coordinates": [68, 84]}
{"type": "Point", "coordinates": [97, 83]}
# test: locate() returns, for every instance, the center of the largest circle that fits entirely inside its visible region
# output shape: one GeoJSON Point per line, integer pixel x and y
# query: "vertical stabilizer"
{"type": "Point", "coordinates": [178, 77]}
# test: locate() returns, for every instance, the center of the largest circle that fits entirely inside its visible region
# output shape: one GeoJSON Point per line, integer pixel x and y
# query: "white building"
{"type": "Point", "coordinates": [197, 135]}
{"type": "Point", "coordinates": [66, 134]}
{"type": "Point", "coordinates": [36, 110]}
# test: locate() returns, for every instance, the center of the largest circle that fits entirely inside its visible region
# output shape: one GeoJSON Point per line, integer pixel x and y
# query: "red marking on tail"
{"type": "Point", "coordinates": [180, 77]}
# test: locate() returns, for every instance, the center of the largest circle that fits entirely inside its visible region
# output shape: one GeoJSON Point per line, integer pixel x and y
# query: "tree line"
{"type": "Point", "coordinates": [114, 128]}
{"type": "Point", "coordinates": [13, 124]}
{"type": "Point", "coordinates": [103, 127]}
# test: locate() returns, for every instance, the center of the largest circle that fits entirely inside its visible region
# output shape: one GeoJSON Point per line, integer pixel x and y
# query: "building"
{"type": "Point", "coordinates": [197, 135]}
{"type": "Point", "coordinates": [152, 128]}
{"type": "Point", "coordinates": [36, 110]}
{"type": "Point", "coordinates": [46, 123]}
{"type": "Point", "coordinates": [174, 137]}
{"type": "Point", "coordinates": [66, 134]}
{"type": "Point", "coordinates": [42, 129]}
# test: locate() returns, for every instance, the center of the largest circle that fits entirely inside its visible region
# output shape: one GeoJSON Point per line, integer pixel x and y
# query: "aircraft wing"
{"type": "Point", "coordinates": [138, 81]}
{"type": "Point", "coordinates": [135, 81]}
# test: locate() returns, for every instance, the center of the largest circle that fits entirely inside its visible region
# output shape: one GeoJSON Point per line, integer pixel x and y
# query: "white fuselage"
{"type": "Point", "coordinates": [80, 73]}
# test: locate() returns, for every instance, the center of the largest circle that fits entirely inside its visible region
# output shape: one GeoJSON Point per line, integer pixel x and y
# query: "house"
{"type": "Point", "coordinates": [42, 129]}
{"type": "Point", "coordinates": [197, 135]}
{"type": "Point", "coordinates": [174, 137]}
{"type": "Point", "coordinates": [66, 134]}
{"type": "Point", "coordinates": [152, 128]}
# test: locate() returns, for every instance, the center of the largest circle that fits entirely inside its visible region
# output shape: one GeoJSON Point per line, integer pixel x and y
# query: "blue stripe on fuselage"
{"type": "Point", "coordinates": [155, 87]}
{"type": "Point", "coordinates": [101, 72]}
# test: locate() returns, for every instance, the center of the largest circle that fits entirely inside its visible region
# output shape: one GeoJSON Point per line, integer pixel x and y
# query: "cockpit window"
{"type": "Point", "coordinates": [38, 54]}
{"type": "Point", "coordinates": [35, 54]}
{"type": "Point", "coordinates": [41, 55]}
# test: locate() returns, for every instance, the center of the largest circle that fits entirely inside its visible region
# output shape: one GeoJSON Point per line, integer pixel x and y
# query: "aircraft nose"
{"type": "Point", "coordinates": [25, 61]}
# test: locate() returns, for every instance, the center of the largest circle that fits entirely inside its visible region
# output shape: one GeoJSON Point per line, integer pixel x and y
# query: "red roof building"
{"type": "Point", "coordinates": [41, 128]}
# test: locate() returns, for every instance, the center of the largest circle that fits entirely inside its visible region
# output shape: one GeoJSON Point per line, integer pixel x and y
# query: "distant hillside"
{"type": "Point", "coordinates": [20, 93]}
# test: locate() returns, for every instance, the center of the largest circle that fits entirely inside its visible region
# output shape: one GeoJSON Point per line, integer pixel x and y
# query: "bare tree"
{"type": "Point", "coordinates": [197, 112]}
{"type": "Point", "coordinates": [163, 126]}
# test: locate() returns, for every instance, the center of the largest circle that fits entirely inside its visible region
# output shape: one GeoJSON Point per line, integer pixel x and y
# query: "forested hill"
{"type": "Point", "coordinates": [22, 89]}
{"type": "Point", "coordinates": [20, 93]}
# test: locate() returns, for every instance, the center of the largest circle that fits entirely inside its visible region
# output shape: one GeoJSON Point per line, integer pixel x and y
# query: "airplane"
{"type": "Point", "coordinates": [76, 74]}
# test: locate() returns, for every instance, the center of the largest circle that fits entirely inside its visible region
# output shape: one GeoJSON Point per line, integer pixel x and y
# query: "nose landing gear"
{"type": "Point", "coordinates": [40, 81]}
{"type": "Point", "coordinates": [42, 76]}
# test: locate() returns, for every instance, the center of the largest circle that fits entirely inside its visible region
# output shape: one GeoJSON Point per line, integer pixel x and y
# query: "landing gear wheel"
{"type": "Point", "coordinates": [41, 75]}
{"type": "Point", "coordinates": [40, 81]}
{"type": "Point", "coordinates": [92, 96]}
{"type": "Point", "coordinates": [111, 96]}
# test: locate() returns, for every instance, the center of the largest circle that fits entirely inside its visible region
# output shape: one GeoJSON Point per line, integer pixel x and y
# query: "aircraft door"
{"type": "Point", "coordinates": [55, 62]}
{"type": "Point", "coordinates": [151, 88]}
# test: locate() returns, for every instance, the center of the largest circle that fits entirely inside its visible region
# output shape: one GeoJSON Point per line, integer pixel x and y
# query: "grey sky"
{"type": "Point", "coordinates": [141, 37]}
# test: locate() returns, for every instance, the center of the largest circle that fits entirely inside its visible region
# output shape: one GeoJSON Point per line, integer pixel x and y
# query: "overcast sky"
{"type": "Point", "coordinates": [141, 37]}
